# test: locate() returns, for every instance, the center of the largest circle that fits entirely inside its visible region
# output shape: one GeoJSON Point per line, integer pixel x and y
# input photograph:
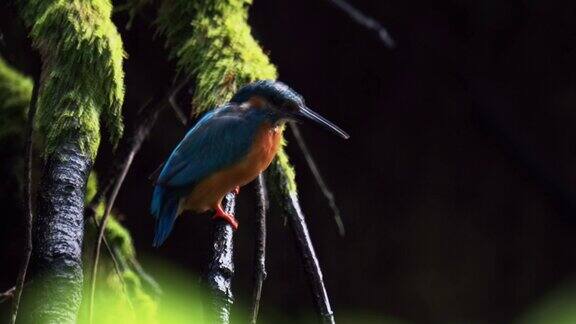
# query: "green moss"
{"type": "Point", "coordinates": [212, 41]}
{"type": "Point", "coordinates": [216, 46]}
{"type": "Point", "coordinates": [82, 76]}
{"type": "Point", "coordinates": [91, 187]}
{"type": "Point", "coordinates": [15, 93]}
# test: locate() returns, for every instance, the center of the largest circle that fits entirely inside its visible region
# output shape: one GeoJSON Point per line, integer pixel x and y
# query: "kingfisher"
{"type": "Point", "coordinates": [226, 149]}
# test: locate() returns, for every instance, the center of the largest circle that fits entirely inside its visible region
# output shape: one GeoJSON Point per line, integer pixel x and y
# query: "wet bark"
{"type": "Point", "coordinates": [221, 268]}
{"type": "Point", "coordinates": [54, 292]}
{"type": "Point", "coordinates": [288, 201]}
{"type": "Point", "coordinates": [312, 268]}
{"type": "Point", "coordinates": [260, 247]}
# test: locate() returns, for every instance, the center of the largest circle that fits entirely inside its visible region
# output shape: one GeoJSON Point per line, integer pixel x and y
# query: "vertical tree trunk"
{"type": "Point", "coordinates": [54, 293]}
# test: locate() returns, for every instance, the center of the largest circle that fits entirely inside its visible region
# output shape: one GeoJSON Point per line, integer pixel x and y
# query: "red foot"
{"type": "Point", "coordinates": [236, 190]}
{"type": "Point", "coordinates": [229, 218]}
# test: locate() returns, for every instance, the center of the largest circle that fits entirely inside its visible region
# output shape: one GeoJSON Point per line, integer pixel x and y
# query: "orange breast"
{"type": "Point", "coordinates": [208, 194]}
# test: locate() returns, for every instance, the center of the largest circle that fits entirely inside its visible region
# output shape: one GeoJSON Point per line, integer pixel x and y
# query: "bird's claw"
{"type": "Point", "coordinates": [229, 218]}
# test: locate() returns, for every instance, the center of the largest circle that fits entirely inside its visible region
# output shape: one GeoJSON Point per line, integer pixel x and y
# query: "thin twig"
{"type": "Point", "coordinates": [126, 157]}
{"type": "Point", "coordinates": [102, 229]}
{"type": "Point", "coordinates": [27, 200]}
{"type": "Point", "coordinates": [8, 294]}
{"type": "Point", "coordinates": [221, 267]}
{"type": "Point", "coordinates": [368, 22]}
{"type": "Point", "coordinates": [319, 179]}
{"type": "Point", "coordinates": [173, 100]}
{"type": "Point", "coordinates": [115, 262]}
{"type": "Point", "coordinates": [149, 283]}
{"type": "Point", "coordinates": [143, 125]}
{"type": "Point", "coordinates": [260, 253]}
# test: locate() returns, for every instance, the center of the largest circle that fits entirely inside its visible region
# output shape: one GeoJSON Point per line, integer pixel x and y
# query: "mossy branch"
{"type": "Point", "coordinates": [82, 76]}
{"type": "Point", "coordinates": [81, 84]}
{"type": "Point", "coordinates": [212, 41]}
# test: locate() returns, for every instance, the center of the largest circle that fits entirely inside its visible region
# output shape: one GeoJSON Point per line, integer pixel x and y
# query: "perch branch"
{"type": "Point", "coordinates": [363, 20]}
{"type": "Point", "coordinates": [260, 253]}
{"type": "Point", "coordinates": [27, 201]}
{"type": "Point", "coordinates": [319, 179]}
{"type": "Point", "coordinates": [221, 267]}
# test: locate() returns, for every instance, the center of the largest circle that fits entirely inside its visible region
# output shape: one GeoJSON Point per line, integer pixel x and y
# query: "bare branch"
{"type": "Point", "coordinates": [368, 22]}
{"type": "Point", "coordinates": [122, 163]}
{"type": "Point", "coordinates": [319, 179]}
{"type": "Point", "coordinates": [311, 264]}
{"type": "Point", "coordinates": [173, 100]}
{"type": "Point", "coordinates": [260, 253]}
{"type": "Point", "coordinates": [7, 295]}
{"type": "Point", "coordinates": [102, 229]}
{"type": "Point", "coordinates": [27, 200]}
{"type": "Point", "coordinates": [115, 262]}
{"type": "Point", "coordinates": [276, 178]}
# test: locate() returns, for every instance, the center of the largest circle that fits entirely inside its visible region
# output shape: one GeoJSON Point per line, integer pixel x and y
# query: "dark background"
{"type": "Point", "coordinates": [457, 186]}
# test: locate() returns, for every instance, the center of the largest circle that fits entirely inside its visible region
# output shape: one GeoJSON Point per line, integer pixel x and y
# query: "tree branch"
{"type": "Point", "coordinates": [221, 267]}
{"type": "Point", "coordinates": [82, 87]}
{"type": "Point", "coordinates": [27, 200]}
{"type": "Point", "coordinates": [319, 179]}
{"type": "Point", "coordinates": [288, 200]}
{"type": "Point", "coordinates": [309, 259]}
{"type": "Point", "coordinates": [121, 165]}
{"type": "Point", "coordinates": [363, 20]}
{"type": "Point", "coordinates": [55, 293]}
{"type": "Point", "coordinates": [260, 249]}
{"type": "Point", "coordinates": [8, 294]}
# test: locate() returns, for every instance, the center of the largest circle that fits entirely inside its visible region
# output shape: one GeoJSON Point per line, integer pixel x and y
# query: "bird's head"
{"type": "Point", "coordinates": [281, 103]}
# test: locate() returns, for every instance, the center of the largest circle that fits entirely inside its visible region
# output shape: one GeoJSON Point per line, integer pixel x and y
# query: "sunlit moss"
{"type": "Point", "coordinates": [82, 77]}
{"type": "Point", "coordinates": [212, 41]}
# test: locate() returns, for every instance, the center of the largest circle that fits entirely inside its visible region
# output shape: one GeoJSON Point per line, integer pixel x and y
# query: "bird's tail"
{"type": "Point", "coordinates": [164, 208]}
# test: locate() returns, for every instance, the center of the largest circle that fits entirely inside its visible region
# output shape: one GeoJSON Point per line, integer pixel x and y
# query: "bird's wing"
{"type": "Point", "coordinates": [218, 140]}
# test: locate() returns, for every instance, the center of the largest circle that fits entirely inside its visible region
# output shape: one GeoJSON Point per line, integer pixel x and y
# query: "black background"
{"type": "Point", "coordinates": [457, 185]}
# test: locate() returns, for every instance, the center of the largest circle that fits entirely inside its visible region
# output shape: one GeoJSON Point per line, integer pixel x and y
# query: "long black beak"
{"type": "Point", "coordinates": [305, 112]}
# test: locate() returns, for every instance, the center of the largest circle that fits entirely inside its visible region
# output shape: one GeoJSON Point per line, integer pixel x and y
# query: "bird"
{"type": "Point", "coordinates": [226, 149]}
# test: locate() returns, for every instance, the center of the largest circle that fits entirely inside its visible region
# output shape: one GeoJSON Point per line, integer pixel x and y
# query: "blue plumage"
{"type": "Point", "coordinates": [219, 145]}
{"type": "Point", "coordinates": [221, 138]}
